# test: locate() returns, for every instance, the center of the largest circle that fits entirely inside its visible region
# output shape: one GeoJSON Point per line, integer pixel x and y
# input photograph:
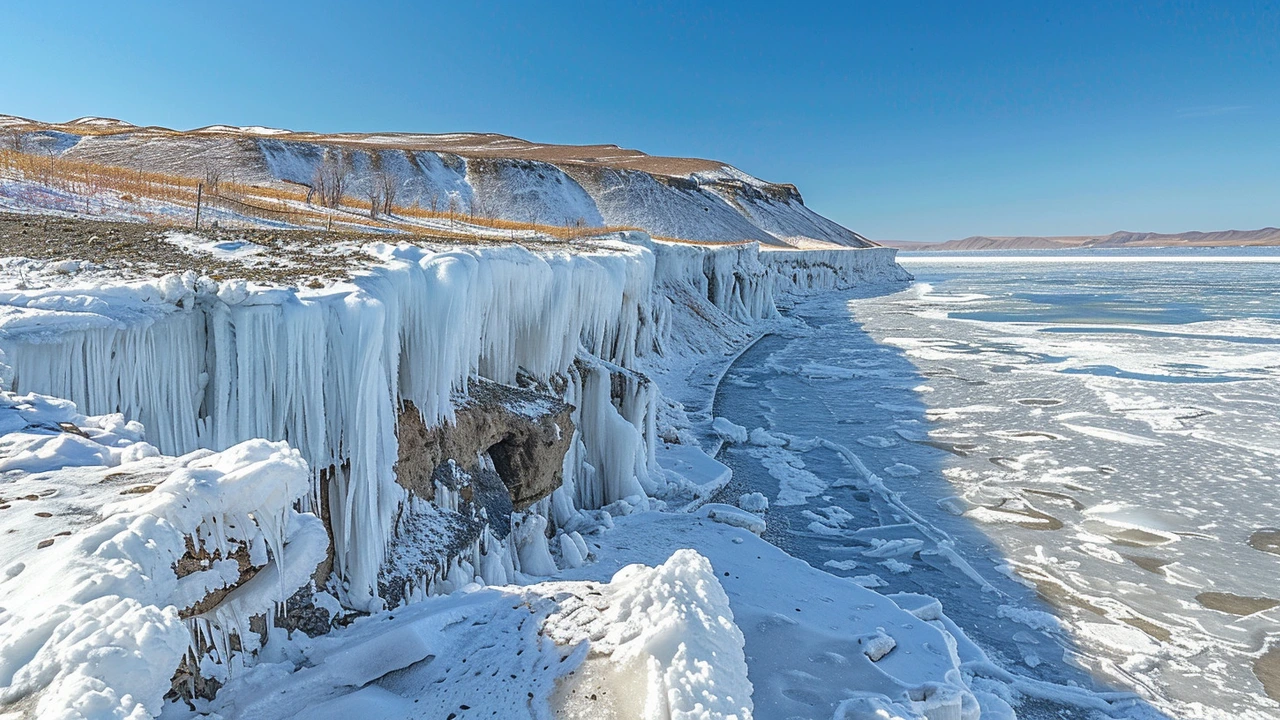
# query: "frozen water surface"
{"type": "Point", "coordinates": [1077, 455]}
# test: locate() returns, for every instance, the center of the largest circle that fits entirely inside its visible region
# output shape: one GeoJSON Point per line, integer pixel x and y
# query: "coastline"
{"type": "Point", "coordinates": [704, 316]}
{"type": "Point", "coordinates": [211, 363]}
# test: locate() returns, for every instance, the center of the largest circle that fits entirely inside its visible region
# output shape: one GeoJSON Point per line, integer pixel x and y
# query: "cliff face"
{"type": "Point", "coordinates": [492, 176]}
{"type": "Point", "coordinates": [361, 426]}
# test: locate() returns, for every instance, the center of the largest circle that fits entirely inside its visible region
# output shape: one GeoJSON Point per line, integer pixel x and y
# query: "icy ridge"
{"type": "Point", "coordinates": [804, 271]}
{"type": "Point", "coordinates": [203, 364]}
{"type": "Point", "coordinates": [210, 365]}
{"type": "Point", "coordinates": [94, 628]}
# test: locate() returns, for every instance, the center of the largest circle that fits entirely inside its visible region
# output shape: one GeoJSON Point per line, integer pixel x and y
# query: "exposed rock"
{"type": "Point", "coordinates": [199, 560]}
{"type": "Point", "coordinates": [526, 434]}
{"type": "Point", "coordinates": [302, 613]}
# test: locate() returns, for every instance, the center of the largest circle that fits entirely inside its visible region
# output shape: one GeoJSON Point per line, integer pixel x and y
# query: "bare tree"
{"type": "Point", "coordinates": [375, 198]}
{"type": "Point", "coordinates": [453, 207]}
{"type": "Point", "coordinates": [389, 188]}
{"type": "Point", "coordinates": [330, 178]}
{"type": "Point", "coordinates": [212, 178]}
{"type": "Point", "coordinates": [13, 140]}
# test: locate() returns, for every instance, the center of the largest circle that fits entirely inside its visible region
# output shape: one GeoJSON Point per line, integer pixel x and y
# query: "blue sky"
{"type": "Point", "coordinates": [902, 120]}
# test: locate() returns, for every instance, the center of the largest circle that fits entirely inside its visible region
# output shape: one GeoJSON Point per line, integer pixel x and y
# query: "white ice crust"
{"type": "Point", "coordinates": [223, 375]}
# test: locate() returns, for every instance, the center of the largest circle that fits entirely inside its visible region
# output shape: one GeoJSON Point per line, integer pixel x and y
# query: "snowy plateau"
{"type": "Point", "coordinates": [452, 480]}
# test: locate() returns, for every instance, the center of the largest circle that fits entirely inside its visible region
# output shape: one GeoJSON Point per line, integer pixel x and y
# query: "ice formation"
{"type": "Point", "coordinates": [208, 365]}
{"type": "Point", "coordinates": [667, 629]}
{"type": "Point", "coordinates": [223, 375]}
{"type": "Point", "coordinates": [133, 558]}
{"type": "Point", "coordinates": [814, 270]}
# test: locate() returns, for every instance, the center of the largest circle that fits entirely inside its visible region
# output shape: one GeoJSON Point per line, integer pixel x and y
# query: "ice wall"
{"type": "Point", "coordinates": [730, 277]}
{"type": "Point", "coordinates": [207, 365]}
{"type": "Point", "coordinates": [815, 270]}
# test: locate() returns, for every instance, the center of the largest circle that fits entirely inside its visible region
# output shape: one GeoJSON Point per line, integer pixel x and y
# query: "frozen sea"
{"type": "Point", "coordinates": [1077, 452]}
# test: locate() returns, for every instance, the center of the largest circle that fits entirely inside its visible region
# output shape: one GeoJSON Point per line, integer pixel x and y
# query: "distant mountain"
{"type": "Point", "coordinates": [1221, 238]}
{"type": "Point", "coordinates": [473, 174]}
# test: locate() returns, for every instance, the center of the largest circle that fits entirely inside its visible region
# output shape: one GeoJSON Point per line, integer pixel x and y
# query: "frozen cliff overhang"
{"type": "Point", "coordinates": [451, 416]}
{"type": "Point", "coordinates": [208, 365]}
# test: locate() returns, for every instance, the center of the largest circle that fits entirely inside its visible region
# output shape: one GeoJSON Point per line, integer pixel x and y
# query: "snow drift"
{"type": "Point", "coordinates": [128, 577]}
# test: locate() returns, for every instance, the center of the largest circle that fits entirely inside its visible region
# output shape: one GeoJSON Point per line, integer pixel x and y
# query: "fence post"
{"type": "Point", "coordinates": [199, 193]}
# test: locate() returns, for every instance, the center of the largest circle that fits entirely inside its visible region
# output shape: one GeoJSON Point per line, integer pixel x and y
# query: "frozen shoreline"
{"type": "Point", "coordinates": [1104, 459]}
{"type": "Point", "coordinates": [684, 314]}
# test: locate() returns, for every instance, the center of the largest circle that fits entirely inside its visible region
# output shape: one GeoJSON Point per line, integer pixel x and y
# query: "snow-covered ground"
{"type": "Point", "coordinates": [270, 411]}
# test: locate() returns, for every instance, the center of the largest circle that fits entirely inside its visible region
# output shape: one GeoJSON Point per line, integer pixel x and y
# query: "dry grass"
{"type": "Point", "coordinates": [83, 179]}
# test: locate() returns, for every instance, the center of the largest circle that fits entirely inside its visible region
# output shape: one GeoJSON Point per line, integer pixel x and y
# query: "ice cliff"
{"type": "Point", "coordinates": [275, 471]}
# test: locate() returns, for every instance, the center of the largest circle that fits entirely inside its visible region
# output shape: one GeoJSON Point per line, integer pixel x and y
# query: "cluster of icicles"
{"type": "Point", "coordinates": [204, 365]}
{"type": "Point", "coordinates": [814, 270]}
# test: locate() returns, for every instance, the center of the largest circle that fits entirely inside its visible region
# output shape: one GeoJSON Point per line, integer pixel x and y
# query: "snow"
{"type": "Point", "coordinates": [667, 629]}
{"type": "Point", "coordinates": [655, 614]}
{"type": "Point", "coordinates": [730, 515]}
{"type": "Point", "coordinates": [728, 431]}
{"type": "Point", "coordinates": [692, 472]}
{"type": "Point", "coordinates": [90, 625]}
{"type": "Point", "coordinates": [754, 502]}
{"type": "Point", "coordinates": [518, 190]}
{"type": "Point", "coordinates": [239, 250]}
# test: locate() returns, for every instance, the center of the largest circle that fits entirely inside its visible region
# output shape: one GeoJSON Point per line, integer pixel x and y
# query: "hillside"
{"type": "Point", "coordinates": [394, 181]}
{"type": "Point", "coordinates": [1221, 238]}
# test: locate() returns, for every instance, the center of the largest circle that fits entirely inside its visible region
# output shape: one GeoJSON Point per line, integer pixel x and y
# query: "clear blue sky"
{"type": "Point", "coordinates": [902, 120]}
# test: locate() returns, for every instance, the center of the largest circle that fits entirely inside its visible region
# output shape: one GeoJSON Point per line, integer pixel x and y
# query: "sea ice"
{"type": "Point", "coordinates": [729, 432]}
{"type": "Point", "coordinates": [899, 470]}
{"type": "Point", "coordinates": [754, 502]}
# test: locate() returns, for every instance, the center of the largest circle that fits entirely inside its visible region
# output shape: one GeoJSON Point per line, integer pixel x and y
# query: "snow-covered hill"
{"type": "Point", "coordinates": [491, 176]}
{"type": "Point", "coordinates": [1121, 239]}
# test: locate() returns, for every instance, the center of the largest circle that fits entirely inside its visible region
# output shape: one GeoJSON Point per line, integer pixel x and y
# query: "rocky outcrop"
{"type": "Point", "coordinates": [522, 432]}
